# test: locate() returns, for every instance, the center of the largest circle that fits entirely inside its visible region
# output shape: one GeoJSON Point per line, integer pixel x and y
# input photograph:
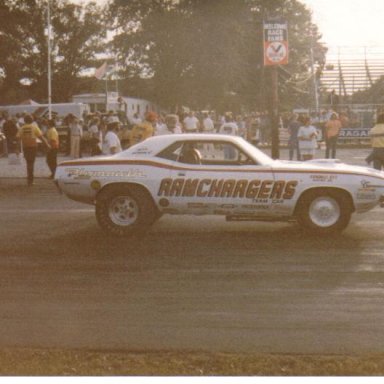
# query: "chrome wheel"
{"type": "Point", "coordinates": [324, 211]}
{"type": "Point", "coordinates": [123, 210]}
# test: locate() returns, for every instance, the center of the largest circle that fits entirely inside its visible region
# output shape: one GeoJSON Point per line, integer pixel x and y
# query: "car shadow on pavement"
{"type": "Point", "coordinates": [287, 239]}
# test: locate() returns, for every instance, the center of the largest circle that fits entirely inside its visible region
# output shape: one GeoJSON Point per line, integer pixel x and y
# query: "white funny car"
{"type": "Point", "coordinates": [217, 174]}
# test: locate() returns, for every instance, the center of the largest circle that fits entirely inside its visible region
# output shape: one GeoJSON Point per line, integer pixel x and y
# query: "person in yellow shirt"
{"type": "Point", "coordinates": [29, 134]}
{"type": "Point", "coordinates": [143, 130]}
{"type": "Point", "coordinates": [377, 141]}
{"type": "Point", "coordinates": [53, 140]}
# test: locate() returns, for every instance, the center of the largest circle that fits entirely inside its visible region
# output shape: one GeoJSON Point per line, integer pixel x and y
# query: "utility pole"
{"type": "Point", "coordinates": [275, 33]}
{"type": "Point", "coordinates": [274, 112]}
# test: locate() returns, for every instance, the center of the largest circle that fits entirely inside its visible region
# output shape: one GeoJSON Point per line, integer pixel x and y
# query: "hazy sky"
{"type": "Point", "coordinates": [349, 22]}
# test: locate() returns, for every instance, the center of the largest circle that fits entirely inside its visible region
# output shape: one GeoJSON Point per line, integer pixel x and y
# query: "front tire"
{"type": "Point", "coordinates": [123, 210]}
{"type": "Point", "coordinates": [324, 211]}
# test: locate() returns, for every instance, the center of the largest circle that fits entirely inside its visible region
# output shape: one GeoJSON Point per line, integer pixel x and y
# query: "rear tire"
{"type": "Point", "coordinates": [123, 210]}
{"type": "Point", "coordinates": [324, 211]}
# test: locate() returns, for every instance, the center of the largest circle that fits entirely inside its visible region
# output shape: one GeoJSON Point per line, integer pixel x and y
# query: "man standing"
{"type": "Point", "coordinates": [28, 134]}
{"type": "Point", "coordinates": [76, 131]}
{"type": "Point", "coordinates": [191, 123]}
{"type": "Point", "coordinates": [332, 130]}
{"type": "Point", "coordinates": [307, 138]}
{"type": "Point", "coordinates": [53, 139]}
{"type": "Point", "coordinates": [142, 131]}
{"type": "Point", "coordinates": [377, 139]}
{"type": "Point", "coordinates": [122, 110]}
{"type": "Point", "coordinates": [208, 125]}
{"type": "Point", "coordinates": [293, 143]}
{"type": "Point", "coordinates": [229, 127]}
{"type": "Point", "coordinates": [111, 142]}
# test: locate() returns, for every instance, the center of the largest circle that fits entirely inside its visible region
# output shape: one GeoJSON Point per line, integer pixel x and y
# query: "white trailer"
{"type": "Point", "coordinates": [59, 109]}
{"type": "Point", "coordinates": [105, 102]}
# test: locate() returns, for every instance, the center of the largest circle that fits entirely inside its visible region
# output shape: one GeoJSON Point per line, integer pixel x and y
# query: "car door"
{"type": "Point", "coordinates": [225, 181]}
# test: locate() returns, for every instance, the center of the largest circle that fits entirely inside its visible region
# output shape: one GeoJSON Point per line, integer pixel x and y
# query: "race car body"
{"type": "Point", "coordinates": [217, 174]}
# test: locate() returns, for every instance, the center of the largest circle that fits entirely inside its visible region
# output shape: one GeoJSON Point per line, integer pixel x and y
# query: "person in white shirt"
{"type": "Point", "coordinates": [191, 123]}
{"type": "Point", "coordinates": [160, 127]}
{"type": "Point", "coordinates": [171, 125]}
{"type": "Point", "coordinates": [111, 142]}
{"type": "Point", "coordinates": [307, 138]}
{"type": "Point", "coordinates": [76, 130]}
{"type": "Point", "coordinates": [229, 127]}
{"type": "Point", "coordinates": [208, 125]}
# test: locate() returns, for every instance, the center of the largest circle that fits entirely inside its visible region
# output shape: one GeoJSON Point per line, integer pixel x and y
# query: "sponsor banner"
{"type": "Point", "coordinates": [354, 133]}
{"type": "Point", "coordinates": [275, 42]}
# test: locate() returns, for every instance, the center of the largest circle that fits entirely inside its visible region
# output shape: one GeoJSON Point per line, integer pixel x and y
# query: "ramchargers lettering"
{"type": "Point", "coordinates": [231, 188]}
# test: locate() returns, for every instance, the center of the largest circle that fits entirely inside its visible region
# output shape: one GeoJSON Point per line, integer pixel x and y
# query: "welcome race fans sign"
{"type": "Point", "coordinates": [275, 42]}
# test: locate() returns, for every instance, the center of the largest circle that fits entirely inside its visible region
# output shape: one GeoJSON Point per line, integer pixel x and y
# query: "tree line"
{"type": "Point", "coordinates": [198, 53]}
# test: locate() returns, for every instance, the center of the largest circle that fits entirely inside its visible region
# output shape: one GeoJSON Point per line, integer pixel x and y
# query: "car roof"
{"type": "Point", "coordinates": [155, 144]}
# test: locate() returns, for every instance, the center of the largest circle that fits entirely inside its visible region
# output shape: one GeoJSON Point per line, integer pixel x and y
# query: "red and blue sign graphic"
{"type": "Point", "coordinates": [275, 42]}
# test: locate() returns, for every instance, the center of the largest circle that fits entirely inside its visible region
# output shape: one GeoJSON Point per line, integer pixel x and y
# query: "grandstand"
{"type": "Point", "coordinates": [349, 70]}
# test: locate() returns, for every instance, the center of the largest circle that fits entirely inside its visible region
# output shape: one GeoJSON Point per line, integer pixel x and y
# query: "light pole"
{"type": "Point", "coordinates": [49, 61]}
{"type": "Point", "coordinates": [313, 73]}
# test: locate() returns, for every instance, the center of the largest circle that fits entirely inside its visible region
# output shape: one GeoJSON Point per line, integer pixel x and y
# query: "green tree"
{"type": "Point", "coordinates": [208, 54]}
{"type": "Point", "coordinates": [78, 34]}
{"type": "Point", "coordinates": [12, 43]}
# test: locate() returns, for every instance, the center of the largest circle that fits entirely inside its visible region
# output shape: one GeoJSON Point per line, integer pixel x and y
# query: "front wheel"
{"type": "Point", "coordinates": [123, 210]}
{"type": "Point", "coordinates": [324, 211]}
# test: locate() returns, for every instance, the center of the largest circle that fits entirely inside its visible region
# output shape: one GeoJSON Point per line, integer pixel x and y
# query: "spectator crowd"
{"type": "Point", "coordinates": [109, 133]}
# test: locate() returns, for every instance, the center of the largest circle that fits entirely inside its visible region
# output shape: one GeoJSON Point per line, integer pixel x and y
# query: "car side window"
{"type": "Point", "coordinates": [206, 152]}
{"type": "Point", "coordinates": [222, 153]}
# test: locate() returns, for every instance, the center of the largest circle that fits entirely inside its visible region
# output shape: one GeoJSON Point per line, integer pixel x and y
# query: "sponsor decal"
{"type": "Point", "coordinates": [142, 151]}
{"type": "Point", "coordinates": [82, 173]}
{"type": "Point", "coordinates": [259, 191]}
{"type": "Point", "coordinates": [95, 184]}
{"type": "Point", "coordinates": [248, 207]}
{"type": "Point", "coordinates": [366, 195]}
{"type": "Point", "coordinates": [367, 185]}
{"type": "Point", "coordinates": [323, 178]}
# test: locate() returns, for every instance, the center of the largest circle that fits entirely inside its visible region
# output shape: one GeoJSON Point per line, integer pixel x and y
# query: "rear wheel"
{"type": "Point", "coordinates": [324, 211]}
{"type": "Point", "coordinates": [123, 210]}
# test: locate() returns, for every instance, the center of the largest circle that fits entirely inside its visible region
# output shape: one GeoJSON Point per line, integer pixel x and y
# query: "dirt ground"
{"type": "Point", "coordinates": [31, 362]}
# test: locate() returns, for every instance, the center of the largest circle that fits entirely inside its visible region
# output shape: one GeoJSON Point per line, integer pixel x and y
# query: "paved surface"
{"type": "Point", "coordinates": [189, 283]}
{"type": "Point", "coordinates": [20, 171]}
